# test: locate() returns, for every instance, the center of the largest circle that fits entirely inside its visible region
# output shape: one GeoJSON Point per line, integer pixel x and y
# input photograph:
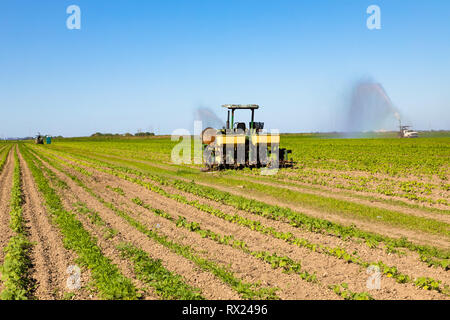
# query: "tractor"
{"type": "Point", "coordinates": [39, 139]}
{"type": "Point", "coordinates": [406, 132]}
{"type": "Point", "coordinates": [237, 146]}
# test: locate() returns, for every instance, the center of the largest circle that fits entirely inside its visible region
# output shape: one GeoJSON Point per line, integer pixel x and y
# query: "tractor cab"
{"type": "Point", "coordinates": [241, 126]}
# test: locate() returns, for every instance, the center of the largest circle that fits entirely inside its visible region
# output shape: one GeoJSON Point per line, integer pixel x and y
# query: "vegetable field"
{"type": "Point", "coordinates": [98, 218]}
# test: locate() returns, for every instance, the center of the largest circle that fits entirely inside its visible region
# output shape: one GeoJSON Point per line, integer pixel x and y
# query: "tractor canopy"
{"type": "Point", "coordinates": [241, 106]}
{"type": "Point", "coordinates": [241, 125]}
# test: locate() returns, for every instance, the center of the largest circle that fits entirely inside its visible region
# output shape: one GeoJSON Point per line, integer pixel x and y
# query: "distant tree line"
{"type": "Point", "coordinates": [138, 134]}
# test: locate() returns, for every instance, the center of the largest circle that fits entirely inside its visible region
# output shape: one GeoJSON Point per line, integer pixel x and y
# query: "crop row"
{"type": "Point", "coordinates": [411, 189]}
{"type": "Point", "coordinates": [288, 181]}
{"type": "Point", "coordinates": [313, 201]}
{"type": "Point", "coordinates": [246, 290]}
{"type": "Point", "coordinates": [151, 272]}
{"type": "Point", "coordinates": [337, 206]}
{"type": "Point", "coordinates": [426, 252]}
{"type": "Point", "coordinates": [106, 276]}
{"type": "Point", "coordinates": [337, 252]}
{"type": "Point", "coordinates": [193, 173]}
{"type": "Point", "coordinates": [3, 157]}
{"type": "Point", "coordinates": [15, 269]}
{"type": "Point", "coordinates": [3, 148]}
{"type": "Point", "coordinates": [276, 261]}
{"type": "Point", "coordinates": [110, 153]}
{"type": "Point", "coordinates": [394, 157]}
{"type": "Point", "coordinates": [277, 213]}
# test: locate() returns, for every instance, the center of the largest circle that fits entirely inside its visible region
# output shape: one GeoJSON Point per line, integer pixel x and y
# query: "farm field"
{"type": "Point", "coordinates": [99, 218]}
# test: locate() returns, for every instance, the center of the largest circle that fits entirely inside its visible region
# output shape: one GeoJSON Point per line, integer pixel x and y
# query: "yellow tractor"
{"type": "Point", "coordinates": [237, 146]}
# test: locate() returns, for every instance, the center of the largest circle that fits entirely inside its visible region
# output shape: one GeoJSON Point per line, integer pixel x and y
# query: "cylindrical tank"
{"type": "Point", "coordinates": [209, 135]}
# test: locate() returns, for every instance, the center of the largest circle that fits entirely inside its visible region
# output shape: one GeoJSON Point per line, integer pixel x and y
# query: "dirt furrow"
{"type": "Point", "coordinates": [381, 228]}
{"type": "Point", "coordinates": [332, 194]}
{"type": "Point", "coordinates": [108, 246]}
{"type": "Point", "coordinates": [407, 264]}
{"type": "Point", "coordinates": [329, 269]}
{"type": "Point", "coordinates": [247, 267]}
{"type": "Point", "coordinates": [6, 181]}
{"type": "Point", "coordinates": [49, 257]}
{"type": "Point", "coordinates": [333, 177]}
{"type": "Point", "coordinates": [325, 191]}
{"type": "Point", "coordinates": [325, 266]}
{"type": "Point", "coordinates": [211, 287]}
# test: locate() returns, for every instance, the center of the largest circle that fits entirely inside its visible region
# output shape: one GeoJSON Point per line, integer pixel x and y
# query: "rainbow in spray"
{"type": "Point", "coordinates": [370, 108]}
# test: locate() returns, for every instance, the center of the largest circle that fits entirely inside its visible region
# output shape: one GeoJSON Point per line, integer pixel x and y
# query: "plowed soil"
{"type": "Point", "coordinates": [329, 270]}
{"type": "Point", "coordinates": [105, 194]}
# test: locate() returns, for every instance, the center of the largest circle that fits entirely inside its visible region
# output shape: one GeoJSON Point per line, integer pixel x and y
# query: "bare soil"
{"type": "Point", "coordinates": [49, 257]}
{"type": "Point", "coordinates": [333, 180]}
{"type": "Point", "coordinates": [335, 195]}
{"type": "Point", "coordinates": [211, 287]}
{"type": "Point", "coordinates": [329, 269]}
{"type": "Point", "coordinates": [6, 181]}
{"type": "Point", "coordinates": [387, 230]}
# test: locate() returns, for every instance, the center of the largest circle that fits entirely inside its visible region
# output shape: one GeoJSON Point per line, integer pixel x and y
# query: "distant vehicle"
{"type": "Point", "coordinates": [405, 132]}
{"type": "Point", "coordinates": [39, 139]}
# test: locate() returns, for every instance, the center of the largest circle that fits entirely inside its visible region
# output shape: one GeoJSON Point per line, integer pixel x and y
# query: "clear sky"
{"type": "Point", "coordinates": [149, 64]}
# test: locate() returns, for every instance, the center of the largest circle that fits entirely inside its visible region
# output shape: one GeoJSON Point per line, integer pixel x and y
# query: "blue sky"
{"type": "Point", "coordinates": [149, 64]}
